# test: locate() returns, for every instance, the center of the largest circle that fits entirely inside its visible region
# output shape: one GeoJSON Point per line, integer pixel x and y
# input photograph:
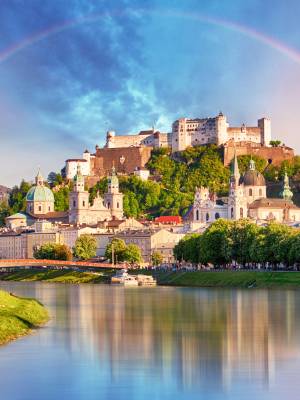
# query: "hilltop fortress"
{"type": "Point", "coordinates": [130, 153]}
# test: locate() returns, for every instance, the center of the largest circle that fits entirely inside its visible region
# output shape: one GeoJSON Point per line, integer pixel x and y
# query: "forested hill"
{"type": "Point", "coordinates": [171, 188]}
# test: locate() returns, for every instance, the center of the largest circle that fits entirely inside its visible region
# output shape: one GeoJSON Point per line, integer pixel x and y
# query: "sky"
{"type": "Point", "coordinates": [71, 70]}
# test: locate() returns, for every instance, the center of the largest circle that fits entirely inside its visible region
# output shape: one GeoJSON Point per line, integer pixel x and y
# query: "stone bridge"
{"type": "Point", "coordinates": [82, 265]}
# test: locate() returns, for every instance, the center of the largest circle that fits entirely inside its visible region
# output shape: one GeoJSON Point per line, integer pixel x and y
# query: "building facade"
{"type": "Point", "coordinates": [247, 199]}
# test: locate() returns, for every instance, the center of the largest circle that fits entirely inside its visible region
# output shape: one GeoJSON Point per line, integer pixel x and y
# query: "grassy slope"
{"type": "Point", "coordinates": [56, 276]}
{"type": "Point", "coordinates": [232, 279]}
{"type": "Point", "coordinates": [18, 316]}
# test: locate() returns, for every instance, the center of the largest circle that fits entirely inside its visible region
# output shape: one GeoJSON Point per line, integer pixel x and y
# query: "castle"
{"type": "Point", "coordinates": [130, 153]}
{"type": "Point", "coordinates": [40, 204]}
{"type": "Point", "coordinates": [247, 199]}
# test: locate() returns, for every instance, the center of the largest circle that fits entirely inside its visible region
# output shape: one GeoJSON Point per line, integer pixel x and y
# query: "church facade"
{"type": "Point", "coordinates": [247, 199]}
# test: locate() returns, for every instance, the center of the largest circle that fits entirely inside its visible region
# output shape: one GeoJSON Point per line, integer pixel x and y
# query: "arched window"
{"type": "Point", "coordinates": [49, 208]}
{"type": "Point", "coordinates": [207, 217]}
{"type": "Point", "coordinates": [260, 192]}
{"type": "Point", "coordinates": [40, 208]}
{"type": "Point", "coordinates": [197, 215]}
{"type": "Point", "coordinates": [83, 203]}
{"type": "Point", "coordinates": [241, 212]}
{"type": "Point", "coordinates": [108, 205]}
{"type": "Point", "coordinates": [217, 216]}
{"type": "Point", "coordinates": [118, 205]}
{"type": "Point", "coordinates": [231, 212]}
{"type": "Point", "coordinates": [74, 203]}
{"type": "Point", "coordinates": [250, 192]}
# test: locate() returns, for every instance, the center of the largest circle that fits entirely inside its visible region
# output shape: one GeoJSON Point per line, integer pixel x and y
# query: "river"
{"type": "Point", "coordinates": [107, 342]}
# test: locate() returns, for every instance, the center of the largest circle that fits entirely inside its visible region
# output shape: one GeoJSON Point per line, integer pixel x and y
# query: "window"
{"type": "Point", "coordinates": [231, 212]}
{"type": "Point", "coordinates": [207, 217]}
{"type": "Point", "coordinates": [217, 216]}
{"type": "Point", "coordinates": [250, 192]}
{"type": "Point", "coordinates": [49, 208]}
{"type": "Point", "coordinates": [241, 212]}
{"type": "Point", "coordinates": [260, 192]}
{"type": "Point", "coordinates": [108, 205]}
{"type": "Point", "coordinates": [40, 208]}
{"type": "Point", "coordinates": [83, 203]}
{"type": "Point", "coordinates": [74, 203]}
{"type": "Point", "coordinates": [118, 205]}
{"type": "Point", "coordinates": [197, 215]}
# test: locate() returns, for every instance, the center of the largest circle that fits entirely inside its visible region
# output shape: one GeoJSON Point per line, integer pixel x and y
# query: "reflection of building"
{"type": "Point", "coordinates": [247, 198]}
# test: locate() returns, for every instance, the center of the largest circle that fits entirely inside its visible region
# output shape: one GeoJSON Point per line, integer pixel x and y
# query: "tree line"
{"type": "Point", "coordinates": [226, 243]}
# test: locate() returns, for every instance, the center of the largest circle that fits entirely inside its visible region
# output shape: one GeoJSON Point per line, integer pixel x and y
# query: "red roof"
{"type": "Point", "coordinates": [168, 219]}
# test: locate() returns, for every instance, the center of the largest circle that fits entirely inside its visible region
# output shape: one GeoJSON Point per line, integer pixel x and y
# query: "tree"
{"type": "Point", "coordinates": [115, 249]}
{"type": "Point", "coordinates": [17, 197]}
{"type": "Point", "coordinates": [4, 212]}
{"type": "Point", "coordinates": [243, 161]}
{"type": "Point", "coordinates": [215, 245]}
{"type": "Point", "coordinates": [243, 234]}
{"type": "Point", "coordinates": [53, 251]}
{"type": "Point", "coordinates": [85, 247]}
{"type": "Point", "coordinates": [156, 258]}
{"type": "Point", "coordinates": [61, 199]}
{"type": "Point", "coordinates": [294, 249]}
{"type": "Point", "coordinates": [132, 254]}
{"type": "Point", "coordinates": [275, 143]}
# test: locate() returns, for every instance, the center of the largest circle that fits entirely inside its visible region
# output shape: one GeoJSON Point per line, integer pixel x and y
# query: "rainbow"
{"type": "Point", "coordinates": [269, 41]}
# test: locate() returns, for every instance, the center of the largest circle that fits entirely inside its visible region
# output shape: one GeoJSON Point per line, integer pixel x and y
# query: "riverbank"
{"type": "Point", "coordinates": [234, 279]}
{"type": "Point", "coordinates": [18, 316]}
{"type": "Point", "coordinates": [56, 276]}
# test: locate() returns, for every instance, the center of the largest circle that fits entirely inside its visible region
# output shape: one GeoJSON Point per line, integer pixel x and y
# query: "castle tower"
{"type": "Point", "coordinates": [221, 129]}
{"type": "Point", "coordinates": [78, 200]}
{"type": "Point", "coordinates": [181, 138]}
{"type": "Point", "coordinates": [237, 202]}
{"type": "Point", "coordinates": [286, 192]}
{"type": "Point", "coordinates": [113, 199]}
{"type": "Point", "coordinates": [265, 130]}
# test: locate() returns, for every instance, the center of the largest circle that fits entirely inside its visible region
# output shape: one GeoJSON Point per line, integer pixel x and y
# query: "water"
{"type": "Point", "coordinates": [108, 342]}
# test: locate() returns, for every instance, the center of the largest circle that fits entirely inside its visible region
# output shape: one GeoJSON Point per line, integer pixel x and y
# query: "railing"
{"type": "Point", "coordinates": [5, 263]}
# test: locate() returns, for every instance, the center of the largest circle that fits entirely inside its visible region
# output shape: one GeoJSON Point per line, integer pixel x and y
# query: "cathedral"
{"type": "Point", "coordinates": [40, 204]}
{"type": "Point", "coordinates": [247, 199]}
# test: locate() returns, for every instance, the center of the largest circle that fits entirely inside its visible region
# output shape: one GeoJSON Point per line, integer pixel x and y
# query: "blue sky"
{"type": "Point", "coordinates": [89, 66]}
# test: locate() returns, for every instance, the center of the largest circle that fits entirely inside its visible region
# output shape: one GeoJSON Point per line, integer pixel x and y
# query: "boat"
{"type": "Point", "coordinates": [146, 280]}
{"type": "Point", "coordinates": [123, 278]}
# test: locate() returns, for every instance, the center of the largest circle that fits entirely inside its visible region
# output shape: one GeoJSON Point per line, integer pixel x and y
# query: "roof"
{"type": "Point", "coordinates": [76, 159]}
{"type": "Point", "coordinates": [40, 193]}
{"type": "Point", "coordinates": [148, 132]}
{"type": "Point", "coordinates": [272, 203]}
{"type": "Point", "coordinates": [56, 215]}
{"type": "Point", "coordinates": [168, 219]}
{"type": "Point", "coordinates": [253, 178]}
{"type": "Point", "coordinates": [17, 216]}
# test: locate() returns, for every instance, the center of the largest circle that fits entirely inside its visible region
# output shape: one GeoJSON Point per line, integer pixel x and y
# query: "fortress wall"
{"type": "Point", "coordinates": [125, 160]}
{"type": "Point", "coordinates": [274, 155]}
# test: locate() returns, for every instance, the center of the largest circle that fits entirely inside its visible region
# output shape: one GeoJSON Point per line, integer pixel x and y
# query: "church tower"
{"type": "Point", "coordinates": [113, 199]}
{"type": "Point", "coordinates": [286, 192]}
{"type": "Point", "coordinates": [78, 200]}
{"type": "Point", "coordinates": [237, 202]}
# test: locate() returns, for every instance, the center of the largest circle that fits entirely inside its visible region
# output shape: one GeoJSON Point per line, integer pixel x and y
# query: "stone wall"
{"type": "Point", "coordinates": [125, 160]}
{"type": "Point", "coordinates": [274, 155]}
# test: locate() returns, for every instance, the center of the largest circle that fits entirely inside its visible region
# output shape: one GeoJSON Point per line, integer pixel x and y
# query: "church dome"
{"type": "Point", "coordinates": [40, 193]}
{"type": "Point", "coordinates": [252, 177]}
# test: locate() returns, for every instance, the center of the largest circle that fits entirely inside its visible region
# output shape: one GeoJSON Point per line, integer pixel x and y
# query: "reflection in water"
{"type": "Point", "coordinates": [159, 342]}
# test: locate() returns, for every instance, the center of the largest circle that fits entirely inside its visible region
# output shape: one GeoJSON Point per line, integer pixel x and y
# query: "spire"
{"type": "Point", "coordinates": [79, 180]}
{"type": "Point", "coordinates": [286, 192]}
{"type": "Point", "coordinates": [39, 180]}
{"type": "Point", "coordinates": [235, 172]}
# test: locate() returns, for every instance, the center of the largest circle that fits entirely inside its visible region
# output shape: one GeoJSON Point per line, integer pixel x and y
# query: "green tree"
{"type": "Point", "coordinates": [215, 245]}
{"type": "Point", "coordinates": [243, 161]}
{"type": "Point", "coordinates": [17, 197]}
{"type": "Point", "coordinates": [117, 247]}
{"type": "Point", "coordinates": [4, 212]}
{"type": "Point", "coordinates": [243, 234]}
{"type": "Point", "coordinates": [275, 143]}
{"type": "Point", "coordinates": [156, 258]}
{"type": "Point", "coordinates": [132, 254]}
{"type": "Point", "coordinates": [53, 251]}
{"type": "Point", "coordinates": [85, 247]}
{"type": "Point", "coordinates": [294, 249]}
{"type": "Point", "coordinates": [61, 199]}
{"type": "Point", "coordinates": [54, 179]}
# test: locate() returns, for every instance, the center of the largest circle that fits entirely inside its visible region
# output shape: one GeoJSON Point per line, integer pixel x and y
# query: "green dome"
{"type": "Point", "coordinates": [40, 193]}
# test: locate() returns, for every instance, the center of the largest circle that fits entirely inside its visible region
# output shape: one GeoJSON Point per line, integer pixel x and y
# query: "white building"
{"type": "Point", "coordinates": [247, 199]}
{"type": "Point", "coordinates": [84, 163]}
{"type": "Point", "coordinates": [199, 131]}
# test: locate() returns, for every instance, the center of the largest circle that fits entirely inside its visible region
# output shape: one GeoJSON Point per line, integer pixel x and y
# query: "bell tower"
{"type": "Point", "coordinates": [113, 199]}
{"type": "Point", "coordinates": [78, 200]}
{"type": "Point", "coordinates": [237, 202]}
